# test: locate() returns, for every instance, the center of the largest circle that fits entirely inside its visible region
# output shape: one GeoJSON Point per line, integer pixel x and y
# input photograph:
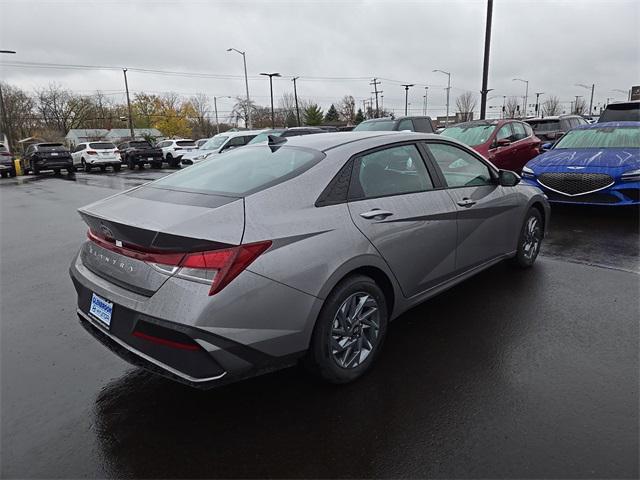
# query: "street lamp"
{"type": "Point", "coordinates": [5, 124]}
{"type": "Point", "coordinates": [215, 109]}
{"type": "Point", "coordinates": [448, 90]}
{"type": "Point", "coordinates": [526, 95]}
{"type": "Point", "coordinates": [406, 96]}
{"type": "Point", "coordinates": [246, 84]}
{"type": "Point", "coordinates": [592, 88]}
{"type": "Point", "coordinates": [271, 75]}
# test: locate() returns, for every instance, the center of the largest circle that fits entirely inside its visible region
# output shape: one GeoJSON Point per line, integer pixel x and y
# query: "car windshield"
{"type": "Point", "coordinates": [214, 143]}
{"type": "Point", "coordinates": [381, 125]}
{"type": "Point", "coordinates": [140, 144]}
{"type": "Point", "coordinates": [263, 137]}
{"type": "Point", "coordinates": [102, 146]}
{"type": "Point", "coordinates": [186, 143]}
{"type": "Point", "coordinates": [470, 134]}
{"type": "Point", "coordinates": [51, 147]}
{"type": "Point", "coordinates": [606, 137]}
{"type": "Point", "coordinates": [242, 171]}
{"type": "Point", "coordinates": [545, 125]}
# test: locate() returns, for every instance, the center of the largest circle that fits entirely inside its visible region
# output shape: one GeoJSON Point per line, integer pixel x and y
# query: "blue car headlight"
{"type": "Point", "coordinates": [631, 176]}
{"type": "Point", "coordinates": [527, 172]}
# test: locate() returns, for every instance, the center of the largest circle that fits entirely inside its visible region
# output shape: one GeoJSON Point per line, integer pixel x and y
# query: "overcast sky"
{"type": "Point", "coordinates": [553, 44]}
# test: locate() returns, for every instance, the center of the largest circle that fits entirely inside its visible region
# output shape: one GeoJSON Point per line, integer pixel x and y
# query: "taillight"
{"type": "Point", "coordinates": [217, 267]}
{"type": "Point", "coordinates": [92, 152]}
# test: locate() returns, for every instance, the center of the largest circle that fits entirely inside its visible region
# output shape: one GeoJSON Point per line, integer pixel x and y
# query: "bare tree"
{"type": "Point", "coordinates": [580, 106]}
{"type": "Point", "coordinates": [19, 111]}
{"type": "Point", "coordinates": [466, 103]}
{"type": "Point", "coordinates": [511, 107]}
{"type": "Point", "coordinates": [551, 106]}
{"type": "Point", "coordinates": [348, 109]}
{"type": "Point", "coordinates": [200, 107]}
{"type": "Point", "coordinates": [62, 110]}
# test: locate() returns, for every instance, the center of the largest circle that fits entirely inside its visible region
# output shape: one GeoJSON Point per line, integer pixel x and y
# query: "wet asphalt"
{"type": "Point", "coordinates": [511, 374]}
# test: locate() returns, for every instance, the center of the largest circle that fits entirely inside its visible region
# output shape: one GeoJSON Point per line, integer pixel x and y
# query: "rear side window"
{"type": "Point", "coordinates": [102, 146]}
{"type": "Point", "coordinates": [405, 124]}
{"type": "Point", "coordinates": [422, 125]}
{"type": "Point", "coordinates": [391, 171]}
{"type": "Point", "coordinates": [460, 168]}
{"type": "Point", "coordinates": [518, 131]}
{"type": "Point", "coordinates": [243, 171]}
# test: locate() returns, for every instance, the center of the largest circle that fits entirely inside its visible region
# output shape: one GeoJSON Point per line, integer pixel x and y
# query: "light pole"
{"type": "Point", "coordinates": [538, 103]}
{"type": "Point", "coordinates": [406, 96]}
{"type": "Point", "coordinates": [526, 95]}
{"type": "Point", "coordinates": [246, 84]}
{"type": "Point", "coordinates": [485, 67]}
{"type": "Point", "coordinates": [295, 96]}
{"type": "Point", "coordinates": [5, 124]}
{"type": "Point", "coordinates": [215, 109]}
{"type": "Point", "coordinates": [426, 100]}
{"type": "Point", "coordinates": [271, 75]}
{"type": "Point", "coordinates": [448, 90]}
{"type": "Point", "coordinates": [126, 87]}
{"type": "Point", "coordinates": [592, 88]}
{"type": "Point", "coordinates": [575, 105]}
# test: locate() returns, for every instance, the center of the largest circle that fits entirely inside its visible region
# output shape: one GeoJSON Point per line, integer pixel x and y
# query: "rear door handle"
{"type": "Point", "coordinates": [466, 202]}
{"type": "Point", "coordinates": [376, 212]}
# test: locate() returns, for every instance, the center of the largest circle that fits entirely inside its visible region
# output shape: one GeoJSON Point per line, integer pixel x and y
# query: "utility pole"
{"type": "Point", "coordinates": [382, 103]}
{"type": "Point", "coordinates": [485, 67]}
{"type": "Point", "coordinates": [538, 103]}
{"type": "Point", "coordinates": [271, 75]}
{"type": "Point", "coordinates": [426, 100]}
{"type": "Point", "coordinates": [295, 95]}
{"type": "Point", "coordinates": [575, 105]}
{"type": "Point", "coordinates": [375, 82]}
{"type": "Point", "coordinates": [504, 106]}
{"type": "Point", "coordinates": [126, 87]}
{"type": "Point", "coordinates": [406, 96]}
{"type": "Point", "coordinates": [246, 84]}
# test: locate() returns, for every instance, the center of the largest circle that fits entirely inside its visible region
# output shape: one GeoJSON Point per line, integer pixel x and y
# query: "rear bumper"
{"type": "Point", "coordinates": [49, 164]}
{"type": "Point", "coordinates": [235, 336]}
{"type": "Point", "coordinates": [110, 161]}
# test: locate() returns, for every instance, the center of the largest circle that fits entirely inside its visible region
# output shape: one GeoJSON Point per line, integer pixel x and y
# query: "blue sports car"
{"type": "Point", "coordinates": [596, 164]}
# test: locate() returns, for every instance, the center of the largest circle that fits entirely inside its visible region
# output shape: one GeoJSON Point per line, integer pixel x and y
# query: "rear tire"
{"type": "Point", "coordinates": [117, 167]}
{"type": "Point", "coordinates": [171, 161]}
{"type": "Point", "coordinates": [36, 170]}
{"type": "Point", "coordinates": [530, 239]}
{"type": "Point", "coordinates": [71, 169]}
{"type": "Point", "coordinates": [4, 174]}
{"type": "Point", "coordinates": [103, 168]}
{"type": "Point", "coordinates": [346, 339]}
{"type": "Point", "coordinates": [85, 166]}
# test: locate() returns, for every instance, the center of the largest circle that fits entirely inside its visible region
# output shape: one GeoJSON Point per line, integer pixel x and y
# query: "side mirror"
{"type": "Point", "coordinates": [503, 142]}
{"type": "Point", "coordinates": [546, 146]}
{"type": "Point", "coordinates": [507, 178]}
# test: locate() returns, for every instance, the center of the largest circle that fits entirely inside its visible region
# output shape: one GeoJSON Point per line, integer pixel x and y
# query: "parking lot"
{"type": "Point", "coordinates": [510, 374]}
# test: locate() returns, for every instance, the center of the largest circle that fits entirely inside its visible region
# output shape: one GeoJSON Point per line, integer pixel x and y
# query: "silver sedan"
{"type": "Point", "coordinates": [300, 248]}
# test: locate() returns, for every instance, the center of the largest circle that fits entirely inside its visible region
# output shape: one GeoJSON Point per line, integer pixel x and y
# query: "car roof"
{"type": "Point", "coordinates": [590, 126]}
{"type": "Point", "coordinates": [495, 121]}
{"type": "Point", "coordinates": [331, 140]}
{"type": "Point", "coordinates": [243, 132]}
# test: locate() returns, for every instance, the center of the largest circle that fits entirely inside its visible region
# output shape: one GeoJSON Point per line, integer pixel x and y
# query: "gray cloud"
{"type": "Point", "coordinates": [552, 44]}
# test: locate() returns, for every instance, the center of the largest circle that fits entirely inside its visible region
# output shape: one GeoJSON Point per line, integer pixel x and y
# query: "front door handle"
{"type": "Point", "coordinates": [375, 213]}
{"type": "Point", "coordinates": [466, 202]}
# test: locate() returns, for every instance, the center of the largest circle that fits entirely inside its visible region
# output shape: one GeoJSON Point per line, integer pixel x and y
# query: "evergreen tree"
{"type": "Point", "coordinates": [359, 117]}
{"type": "Point", "coordinates": [332, 115]}
{"type": "Point", "coordinates": [291, 120]}
{"type": "Point", "coordinates": [313, 115]}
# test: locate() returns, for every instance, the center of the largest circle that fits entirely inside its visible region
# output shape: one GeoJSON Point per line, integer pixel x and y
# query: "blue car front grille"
{"type": "Point", "coordinates": [575, 183]}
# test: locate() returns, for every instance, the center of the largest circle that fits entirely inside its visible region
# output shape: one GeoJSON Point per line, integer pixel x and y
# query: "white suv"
{"type": "Point", "coordinates": [219, 144]}
{"type": "Point", "coordinates": [96, 154]}
{"type": "Point", "coordinates": [173, 150]}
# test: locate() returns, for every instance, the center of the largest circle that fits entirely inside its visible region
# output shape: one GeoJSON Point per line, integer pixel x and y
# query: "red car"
{"type": "Point", "coordinates": [508, 144]}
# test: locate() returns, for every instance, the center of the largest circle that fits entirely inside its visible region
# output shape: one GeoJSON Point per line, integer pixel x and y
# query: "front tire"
{"type": "Point", "coordinates": [350, 330]}
{"type": "Point", "coordinates": [530, 239]}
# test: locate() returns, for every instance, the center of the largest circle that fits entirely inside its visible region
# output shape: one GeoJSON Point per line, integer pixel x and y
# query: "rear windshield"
{"type": "Point", "coordinates": [214, 143]}
{"type": "Point", "coordinates": [186, 143]}
{"type": "Point", "coordinates": [545, 125]}
{"type": "Point", "coordinates": [607, 137]}
{"type": "Point", "coordinates": [470, 134]}
{"type": "Point", "coordinates": [140, 144]}
{"type": "Point", "coordinates": [51, 147]}
{"type": "Point", "coordinates": [621, 112]}
{"type": "Point", "coordinates": [384, 125]}
{"type": "Point", "coordinates": [102, 146]}
{"type": "Point", "coordinates": [3, 148]}
{"type": "Point", "coordinates": [242, 171]}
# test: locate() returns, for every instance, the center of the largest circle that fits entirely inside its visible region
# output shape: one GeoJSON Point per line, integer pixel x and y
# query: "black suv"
{"type": "Point", "coordinates": [138, 152]}
{"type": "Point", "coordinates": [48, 156]}
{"type": "Point", "coordinates": [413, 124]}
{"type": "Point", "coordinates": [549, 129]}
{"type": "Point", "coordinates": [621, 112]}
{"type": "Point", "coordinates": [7, 167]}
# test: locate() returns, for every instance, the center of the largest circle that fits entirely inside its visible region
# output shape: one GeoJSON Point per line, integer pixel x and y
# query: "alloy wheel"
{"type": "Point", "coordinates": [532, 237]}
{"type": "Point", "coordinates": [355, 330]}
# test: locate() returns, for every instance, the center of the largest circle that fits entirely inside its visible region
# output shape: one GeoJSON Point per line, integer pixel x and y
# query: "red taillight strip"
{"type": "Point", "coordinates": [165, 342]}
{"type": "Point", "coordinates": [172, 259]}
